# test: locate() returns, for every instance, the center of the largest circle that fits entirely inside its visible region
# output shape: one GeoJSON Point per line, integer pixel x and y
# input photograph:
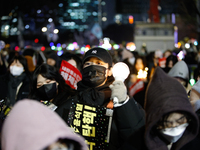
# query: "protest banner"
{"type": "Point", "coordinates": [136, 87]}
{"type": "Point", "coordinates": [92, 122]}
{"type": "Point", "coordinates": [70, 74]}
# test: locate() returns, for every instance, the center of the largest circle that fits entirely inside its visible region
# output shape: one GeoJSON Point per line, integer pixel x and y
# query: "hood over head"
{"type": "Point", "coordinates": [180, 70]}
{"type": "Point", "coordinates": [164, 95]}
{"type": "Point", "coordinates": [33, 126]}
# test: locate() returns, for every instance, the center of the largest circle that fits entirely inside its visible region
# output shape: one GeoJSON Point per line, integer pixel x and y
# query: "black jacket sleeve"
{"type": "Point", "coordinates": [130, 118]}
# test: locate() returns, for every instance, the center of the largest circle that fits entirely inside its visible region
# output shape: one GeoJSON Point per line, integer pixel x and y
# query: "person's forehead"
{"type": "Point", "coordinates": [174, 116]}
{"type": "Point", "coordinates": [41, 78]}
{"type": "Point", "coordinates": [93, 59]}
{"type": "Point", "coordinates": [16, 61]}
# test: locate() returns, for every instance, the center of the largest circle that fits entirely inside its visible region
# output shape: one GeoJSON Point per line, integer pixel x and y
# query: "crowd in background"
{"type": "Point", "coordinates": [33, 74]}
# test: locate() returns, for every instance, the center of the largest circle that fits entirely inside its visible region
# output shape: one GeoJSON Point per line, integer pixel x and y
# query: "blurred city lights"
{"type": "Point", "coordinates": [27, 26]}
{"type": "Point", "coordinates": [39, 11]}
{"type": "Point", "coordinates": [53, 47]}
{"type": "Point", "coordinates": [2, 44]}
{"type": "Point", "coordinates": [51, 44]}
{"type": "Point", "coordinates": [179, 44]}
{"type": "Point", "coordinates": [104, 19]}
{"type": "Point", "coordinates": [60, 5]}
{"type": "Point", "coordinates": [36, 40]}
{"type": "Point", "coordinates": [70, 47]}
{"type": "Point", "coordinates": [44, 29]}
{"type": "Point", "coordinates": [50, 20]}
{"type": "Point", "coordinates": [64, 45]}
{"type": "Point", "coordinates": [130, 46]}
{"type": "Point", "coordinates": [115, 46]}
{"type": "Point", "coordinates": [14, 20]}
{"type": "Point", "coordinates": [192, 82]}
{"type": "Point", "coordinates": [58, 45]}
{"type": "Point", "coordinates": [187, 45]}
{"type": "Point", "coordinates": [7, 27]}
{"type": "Point", "coordinates": [82, 48]}
{"type": "Point", "coordinates": [16, 48]}
{"type": "Point", "coordinates": [74, 4]}
{"type": "Point", "coordinates": [87, 46]}
{"type": "Point", "coordinates": [59, 53]}
{"type": "Point", "coordinates": [159, 8]}
{"type": "Point", "coordinates": [130, 19]}
{"type": "Point", "coordinates": [42, 48]}
{"type": "Point", "coordinates": [195, 43]}
{"type": "Point", "coordinates": [94, 13]}
{"type": "Point", "coordinates": [76, 46]}
{"type": "Point", "coordinates": [106, 44]}
{"type": "Point", "coordinates": [55, 31]}
{"type": "Point", "coordinates": [59, 48]}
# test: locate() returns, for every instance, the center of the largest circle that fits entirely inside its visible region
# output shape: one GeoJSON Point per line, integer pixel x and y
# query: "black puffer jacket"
{"type": "Point", "coordinates": [127, 118]}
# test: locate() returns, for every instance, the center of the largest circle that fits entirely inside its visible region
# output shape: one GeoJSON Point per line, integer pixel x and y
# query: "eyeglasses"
{"type": "Point", "coordinates": [170, 124]}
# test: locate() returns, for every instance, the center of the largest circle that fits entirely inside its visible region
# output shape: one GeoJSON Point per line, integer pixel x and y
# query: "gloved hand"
{"type": "Point", "coordinates": [118, 90]}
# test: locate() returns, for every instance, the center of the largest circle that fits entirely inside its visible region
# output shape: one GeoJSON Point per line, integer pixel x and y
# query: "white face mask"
{"type": "Point", "coordinates": [16, 71]}
{"type": "Point", "coordinates": [173, 134]}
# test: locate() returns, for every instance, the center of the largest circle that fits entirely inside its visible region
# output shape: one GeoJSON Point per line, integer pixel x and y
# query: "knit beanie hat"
{"type": "Point", "coordinates": [180, 70]}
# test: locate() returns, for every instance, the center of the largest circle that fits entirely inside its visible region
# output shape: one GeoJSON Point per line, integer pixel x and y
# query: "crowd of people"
{"type": "Point", "coordinates": [157, 108]}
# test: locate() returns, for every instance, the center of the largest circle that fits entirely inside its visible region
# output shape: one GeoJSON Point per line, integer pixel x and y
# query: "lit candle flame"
{"type": "Point", "coordinates": [142, 74]}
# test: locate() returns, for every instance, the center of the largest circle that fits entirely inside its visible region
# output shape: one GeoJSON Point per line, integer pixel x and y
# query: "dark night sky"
{"type": "Point", "coordinates": [25, 5]}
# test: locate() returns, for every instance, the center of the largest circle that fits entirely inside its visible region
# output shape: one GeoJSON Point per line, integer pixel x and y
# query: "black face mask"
{"type": "Point", "coordinates": [47, 91]}
{"type": "Point", "coordinates": [93, 75]}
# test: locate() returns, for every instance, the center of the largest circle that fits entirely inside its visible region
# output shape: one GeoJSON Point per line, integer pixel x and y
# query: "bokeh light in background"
{"type": "Point", "coordinates": [116, 46]}
{"type": "Point", "coordinates": [55, 31]}
{"type": "Point", "coordinates": [16, 48]}
{"type": "Point", "coordinates": [131, 46]}
{"type": "Point", "coordinates": [192, 82]}
{"type": "Point", "coordinates": [51, 44]}
{"type": "Point", "coordinates": [70, 47]}
{"type": "Point", "coordinates": [187, 45]}
{"type": "Point", "coordinates": [195, 43]}
{"type": "Point", "coordinates": [36, 40]}
{"type": "Point", "coordinates": [59, 53]}
{"type": "Point", "coordinates": [106, 43]}
{"type": "Point", "coordinates": [53, 47]}
{"type": "Point", "coordinates": [44, 29]}
{"type": "Point", "coordinates": [42, 48]}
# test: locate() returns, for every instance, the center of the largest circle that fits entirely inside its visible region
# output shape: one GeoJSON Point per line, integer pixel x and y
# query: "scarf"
{"type": "Point", "coordinates": [94, 96]}
{"type": "Point", "coordinates": [13, 83]}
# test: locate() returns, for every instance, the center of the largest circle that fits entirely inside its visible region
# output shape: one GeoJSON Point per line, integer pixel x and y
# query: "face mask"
{"type": "Point", "coordinates": [16, 71]}
{"type": "Point", "coordinates": [173, 134]}
{"type": "Point", "coordinates": [47, 91]}
{"type": "Point", "coordinates": [93, 75]}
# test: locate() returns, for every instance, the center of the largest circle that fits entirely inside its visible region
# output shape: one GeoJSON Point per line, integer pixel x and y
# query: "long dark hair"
{"type": "Point", "coordinates": [51, 73]}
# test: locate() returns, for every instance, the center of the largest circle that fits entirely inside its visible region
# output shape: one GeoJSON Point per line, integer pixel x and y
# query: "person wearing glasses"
{"type": "Point", "coordinates": [171, 122]}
